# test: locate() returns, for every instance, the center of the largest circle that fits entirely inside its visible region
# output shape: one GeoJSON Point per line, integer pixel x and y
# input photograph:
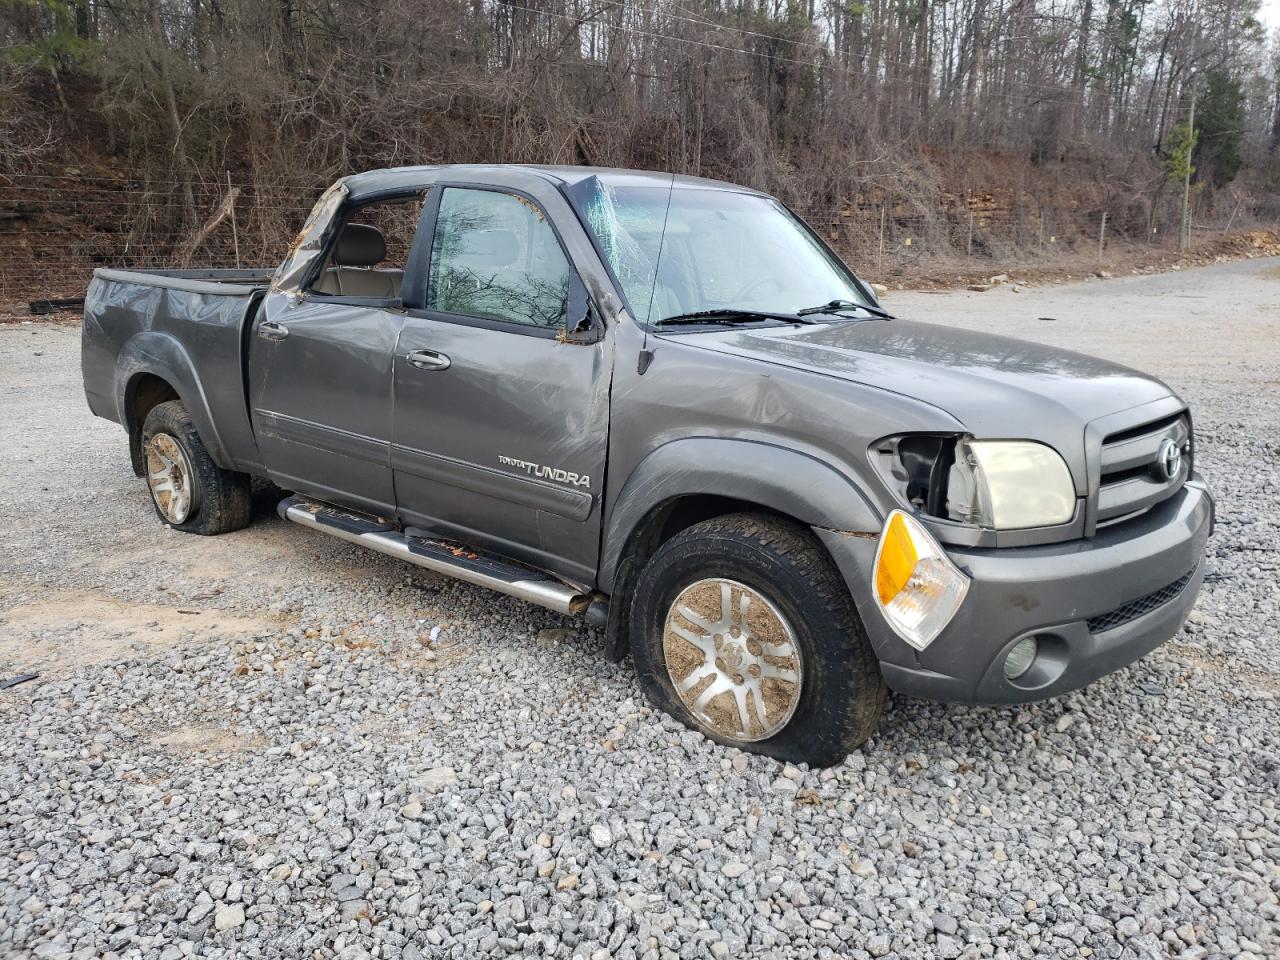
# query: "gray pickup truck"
{"type": "Point", "coordinates": [664, 404]}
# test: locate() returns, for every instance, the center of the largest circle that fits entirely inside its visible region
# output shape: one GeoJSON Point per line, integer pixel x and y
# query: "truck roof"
{"type": "Point", "coordinates": [391, 178]}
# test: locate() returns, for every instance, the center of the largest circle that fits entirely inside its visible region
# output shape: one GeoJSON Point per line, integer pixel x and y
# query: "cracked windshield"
{"type": "Point", "coordinates": [722, 250]}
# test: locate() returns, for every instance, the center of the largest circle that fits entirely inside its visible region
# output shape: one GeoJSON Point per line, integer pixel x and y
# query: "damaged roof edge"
{"type": "Point", "coordinates": [362, 185]}
{"type": "Point", "coordinates": [309, 243]}
{"type": "Point", "coordinates": [358, 187]}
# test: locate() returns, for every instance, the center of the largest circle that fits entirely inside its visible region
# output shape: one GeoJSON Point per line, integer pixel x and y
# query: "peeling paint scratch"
{"type": "Point", "coordinates": [860, 534]}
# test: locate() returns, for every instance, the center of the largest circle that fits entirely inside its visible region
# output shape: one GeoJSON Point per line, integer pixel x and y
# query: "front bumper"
{"type": "Point", "coordinates": [1136, 582]}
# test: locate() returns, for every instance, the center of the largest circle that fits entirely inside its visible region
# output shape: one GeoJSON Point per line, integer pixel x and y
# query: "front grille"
{"type": "Point", "coordinates": [1136, 608]}
{"type": "Point", "coordinates": [1133, 478]}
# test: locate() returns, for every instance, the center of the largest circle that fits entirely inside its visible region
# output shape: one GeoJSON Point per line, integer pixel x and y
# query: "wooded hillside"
{"type": "Point", "coordinates": [975, 127]}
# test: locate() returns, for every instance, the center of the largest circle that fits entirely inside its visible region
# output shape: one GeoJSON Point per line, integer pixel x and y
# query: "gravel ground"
{"type": "Point", "coordinates": [273, 744]}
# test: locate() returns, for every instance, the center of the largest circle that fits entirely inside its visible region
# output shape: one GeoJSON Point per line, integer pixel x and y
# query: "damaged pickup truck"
{"type": "Point", "coordinates": [664, 404]}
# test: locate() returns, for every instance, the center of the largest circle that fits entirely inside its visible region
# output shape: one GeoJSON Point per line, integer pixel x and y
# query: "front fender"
{"type": "Point", "coordinates": [790, 482]}
{"type": "Point", "coordinates": [162, 355]}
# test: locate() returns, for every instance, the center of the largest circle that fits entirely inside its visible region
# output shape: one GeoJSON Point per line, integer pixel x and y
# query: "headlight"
{"type": "Point", "coordinates": [915, 583]}
{"type": "Point", "coordinates": [1009, 484]}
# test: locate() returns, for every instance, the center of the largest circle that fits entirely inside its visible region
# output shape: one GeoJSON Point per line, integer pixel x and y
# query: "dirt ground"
{"type": "Point", "coordinates": [277, 744]}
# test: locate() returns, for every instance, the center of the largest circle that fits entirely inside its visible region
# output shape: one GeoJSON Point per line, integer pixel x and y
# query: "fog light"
{"type": "Point", "coordinates": [1020, 658]}
{"type": "Point", "coordinates": [915, 583]}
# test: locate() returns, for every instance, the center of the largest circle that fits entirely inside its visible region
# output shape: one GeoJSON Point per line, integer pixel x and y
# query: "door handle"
{"type": "Point", "coordinates": [427, 360]}
{"type": "Point", "coordinates": [270, 330]}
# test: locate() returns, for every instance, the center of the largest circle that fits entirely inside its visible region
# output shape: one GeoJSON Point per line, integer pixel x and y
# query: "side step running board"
{"type": "Point", "coordinates": [452, 560]}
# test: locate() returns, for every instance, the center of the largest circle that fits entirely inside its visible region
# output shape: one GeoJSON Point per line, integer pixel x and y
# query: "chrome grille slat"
{"type": "Point", "coordinates": [1131, 496]}
{"type": "Point", "coordinates": [1139, 451]}
{"type": "Point", "coordinates": [1131, 482]}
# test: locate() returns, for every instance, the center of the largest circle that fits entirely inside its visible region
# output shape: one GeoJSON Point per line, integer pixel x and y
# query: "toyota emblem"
{"type": "Point", "coordinates": [1169, 459]}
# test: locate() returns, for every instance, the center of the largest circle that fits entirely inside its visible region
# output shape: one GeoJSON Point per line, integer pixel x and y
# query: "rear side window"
{"type": "Point", "coordinates": [495, 256]}
{"type": "Point", "coordinates": [370, 250]}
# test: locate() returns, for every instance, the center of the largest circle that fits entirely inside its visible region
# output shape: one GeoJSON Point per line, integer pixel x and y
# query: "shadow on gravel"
{"type": "Point", "coordinates": [266, 496]}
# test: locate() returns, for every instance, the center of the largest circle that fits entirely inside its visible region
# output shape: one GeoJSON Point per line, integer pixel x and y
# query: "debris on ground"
{"type": "Point", "coordinates": [42, 307]}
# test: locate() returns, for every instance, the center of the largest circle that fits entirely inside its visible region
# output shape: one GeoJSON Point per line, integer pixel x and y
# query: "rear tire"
{"type": "Point", "coordinates": [190, 492]}
{"type": "Point", "coordinates": [788, 673]}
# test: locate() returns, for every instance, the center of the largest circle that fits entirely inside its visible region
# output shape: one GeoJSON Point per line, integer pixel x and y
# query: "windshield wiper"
{"type": "Point", "coordinates": [838, 306]}
{"type": "Point", "coordinates": [727, 315]}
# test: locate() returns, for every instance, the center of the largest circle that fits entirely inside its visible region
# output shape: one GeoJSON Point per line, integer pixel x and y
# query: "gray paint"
{"type": "Point", "coordinates": [786, 418]}
{"type": "Point", "coordinates": [373, 183]}
{"type": "Point", "coordinates": [186, 331]}
{"type": "Point", "coordinates": [321, 399]}
{"type": "Point", "coordinates": [543, 402]}
{"type": "Point", "coordinates": [1050, 588]}
{"type": "Point", "coordinates": [995, 387]}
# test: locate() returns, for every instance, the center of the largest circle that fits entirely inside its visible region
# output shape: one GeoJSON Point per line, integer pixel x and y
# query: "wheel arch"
{"type": "Point", "coordinates": [152, 368]}
{"type": "Point", "coordinates": [142, 393]}
{"type": "Point", "coordinates": [691, 476]}
{"type": "Point", "coordinates": [687, 481]}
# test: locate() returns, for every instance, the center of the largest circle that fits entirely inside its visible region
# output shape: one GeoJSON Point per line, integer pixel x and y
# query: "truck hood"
{"type": "Point", "coordinates": [995, 386]}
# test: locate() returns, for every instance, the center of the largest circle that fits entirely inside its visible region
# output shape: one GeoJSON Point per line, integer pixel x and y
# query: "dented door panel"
{"type": "Point", "coordinates": [506, 447]}
{"type": "Point", "coordinates": [321, 399]}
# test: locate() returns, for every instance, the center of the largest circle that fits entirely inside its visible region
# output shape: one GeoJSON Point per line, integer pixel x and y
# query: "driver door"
{"type": "Point", "coordinates": [501, 425]}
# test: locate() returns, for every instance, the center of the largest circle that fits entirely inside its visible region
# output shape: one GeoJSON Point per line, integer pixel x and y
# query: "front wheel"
{"type": "Point", "coordinates": [743, 629]}
{"type": "Point", "coordinates": [190, 492]}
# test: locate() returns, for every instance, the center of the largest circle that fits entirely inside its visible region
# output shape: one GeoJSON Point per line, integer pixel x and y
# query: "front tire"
{"type": "Point", "coordinates": [190, 492]}
{"type": "Point", "coordinates": [743, 629]}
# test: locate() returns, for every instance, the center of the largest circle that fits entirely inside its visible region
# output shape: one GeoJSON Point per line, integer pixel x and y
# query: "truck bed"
{"type": "Point", "coordinates": [190, 324]}
{"type": "Point", "coordinates": [195, 281]}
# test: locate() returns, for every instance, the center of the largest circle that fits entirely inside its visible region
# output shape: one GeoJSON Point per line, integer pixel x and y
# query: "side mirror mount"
{"type": "Point", "coordinates": [581, 322]}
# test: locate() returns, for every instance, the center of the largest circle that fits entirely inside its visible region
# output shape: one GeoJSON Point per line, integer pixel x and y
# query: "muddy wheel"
{"type": "Point", "coordinates": [742, 628]}
{"type": "Point", "coordinates": [190, 492]}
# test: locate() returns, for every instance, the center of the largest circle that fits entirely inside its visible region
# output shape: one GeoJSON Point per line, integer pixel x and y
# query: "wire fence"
{"type": "Point", "coordinates": [56, 228]}
{"type": "Point", "coordinates": [894, 239]}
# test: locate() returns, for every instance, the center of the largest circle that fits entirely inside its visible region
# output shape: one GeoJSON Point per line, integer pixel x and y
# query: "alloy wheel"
{"type": "Point", "coordinates": [733, 659]}
{"type": "Point", "coordinates": [169, 477]}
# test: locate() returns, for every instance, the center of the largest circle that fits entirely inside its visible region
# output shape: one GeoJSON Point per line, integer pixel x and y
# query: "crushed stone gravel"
{"type": "Point", "coordinates": [274, 744]}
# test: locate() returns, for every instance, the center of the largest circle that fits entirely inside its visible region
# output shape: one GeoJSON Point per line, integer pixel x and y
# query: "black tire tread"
{"type": "Point", "coordinates": [797, 547]}
{"type": "Point", "coordinates": [224, 500]}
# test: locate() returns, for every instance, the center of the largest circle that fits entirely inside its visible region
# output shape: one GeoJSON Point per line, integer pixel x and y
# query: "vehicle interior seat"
{"type": "Point", "coordinates": [353, 267]}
